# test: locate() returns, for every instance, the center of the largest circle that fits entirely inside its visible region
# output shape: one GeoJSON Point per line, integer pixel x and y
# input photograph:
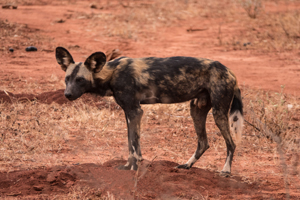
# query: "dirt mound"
{"type": "Point", "coordinates": [153, 180]}
{"type": "Point", "coordinates": [53, 96]}
{"type": "Point", "coordinates": [157, 180]}
{"type": "Point", "coordinates": [47, 97]}
{"type": "Point", "coordinates": [38, 181]}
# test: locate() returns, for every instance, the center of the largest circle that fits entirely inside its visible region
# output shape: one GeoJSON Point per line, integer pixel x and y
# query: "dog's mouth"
{"type": "Point", "coordinates": [70, 97]}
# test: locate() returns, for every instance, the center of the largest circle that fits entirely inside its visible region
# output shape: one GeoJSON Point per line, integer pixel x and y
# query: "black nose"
{"type": "Point", "coordinates": [68, 95]}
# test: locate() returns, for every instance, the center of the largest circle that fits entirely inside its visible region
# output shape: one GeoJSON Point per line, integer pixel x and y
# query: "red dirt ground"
{"type": "Point", "coordinates": [32, 76]}
{"type": "Point", "coordinates": [155, 180]}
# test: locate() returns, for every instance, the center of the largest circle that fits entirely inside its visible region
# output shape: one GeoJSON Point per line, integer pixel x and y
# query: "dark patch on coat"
{"type": "Point", "coordinates": [114, 63]}
{"type": "Point", "coordinates": [73, 74]}
{"type": "Point", "coordinates": [237, 105]}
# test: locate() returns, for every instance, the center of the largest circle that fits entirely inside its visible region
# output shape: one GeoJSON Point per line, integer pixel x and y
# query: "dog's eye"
{"type": "Point", "coordinates": [67, 79]}
{"type": "Point", "coordinates": [80, 80]}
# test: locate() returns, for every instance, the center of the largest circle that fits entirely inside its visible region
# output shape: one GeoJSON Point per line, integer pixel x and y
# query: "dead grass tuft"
{"type": "Point", "coordinates": [267, 30]}
{"type": "Point", "coordinates": [33, 133]}
{"type": "Point", "coordinates": [138, 19]}
{"type": "Point", "coordinates": [87, 193]}
{"type": "Point", "coordinates": [252, 7]}
{"type": "Point", "coordinates": [272, 122]}
{"type": "Point", "coordinates": [274, 116]}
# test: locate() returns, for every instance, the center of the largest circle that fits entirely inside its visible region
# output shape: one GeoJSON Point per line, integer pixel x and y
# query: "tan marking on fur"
{"type": "Point", "coordinates": [149, 62]}
{"type": "Point", "coordinates": [207, 61]}
{"type": "Point", "coordinates": [201, 102]}
{"type": "Point", "coordinates": [175, 80]}
{"type": "Point", "coordinates": [165, 99]}
{"type": "Point", "coordinates": [106, 73]}
{"type": "Point", "coordinates": [70, 68]}
{"type": "Point", "coordinates": [231, 73]}
{"type": "Point", "coordinates": [84, 72]}
{"type": "Point", "coordinates": [139, 66]}
{"type": "Point", "coordinates": [195, 102]}
{"type": "Point", "coordinates": [214, 77]}
{"type": "Point", "coordinates": [182, 76]}
{"type": "Point", "coordinates": [148, 95]}
{"type": "Point", "coordinates": [114, 74]}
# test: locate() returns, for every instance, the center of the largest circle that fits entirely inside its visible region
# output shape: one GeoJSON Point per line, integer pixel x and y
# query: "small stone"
{"type": "Point", "coordinates": [31, 48]}
{"type": "Point", "coordinates": [38, 187]}
{"type": "Point", "coordinates": [6, 6]}
{"type": "Point", "coordinates": [247, 43]}
{"type": "Point", "coordinates": [60, 21]}
{"type": "Point", "coordinates": [11, 49]}
{"type": "Point", "coordinates": [51, 178]}
{"type": "Point", "coordinates": [94, 6]}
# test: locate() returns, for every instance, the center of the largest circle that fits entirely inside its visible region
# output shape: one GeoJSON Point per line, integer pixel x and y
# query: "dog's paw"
{"type": "Point", "coordinates": [184, 166]}
{"type": "Point", "coordinates": [132, 164]}
{"type": "Point", "coordinates": [224, 174]}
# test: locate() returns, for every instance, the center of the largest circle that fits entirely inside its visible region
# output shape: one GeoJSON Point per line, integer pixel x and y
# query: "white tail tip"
{"type": "Point", "coordinates": [236, 121]}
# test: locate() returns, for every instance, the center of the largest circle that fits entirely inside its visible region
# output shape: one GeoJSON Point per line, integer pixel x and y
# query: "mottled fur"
{"type": "Point", "coordinates": [134, 81]}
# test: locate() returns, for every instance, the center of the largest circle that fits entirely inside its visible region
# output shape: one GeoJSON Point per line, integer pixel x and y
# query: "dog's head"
{"type": "Point", "coordinates": [79, 76]}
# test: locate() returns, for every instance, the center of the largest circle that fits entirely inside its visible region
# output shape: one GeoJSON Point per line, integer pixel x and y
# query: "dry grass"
{"type": "Point", "coordinates": [82, 193]}
{"type": "Point", "coordinates": [259, 29]}
{"type": "Point", "coordinates": [252, 7]}
{"type": "Point", "coordinates": [86, 193]}
{"type": "Point", "coordinates": [20, 36]}
{"type": "Point", "coordinates": [274, 116]}
{"type": "Point", "coordinates": [261, 25]}
{"type": "Point", "coordinates": [34, 135]}
{"type": "Point", "coordinates": [271, 32]}
{"type": "Point", "coordinates": [272, 126]}
{"type": "Point", "coordinates": [31, 132]}
{"type": "Point", "coordinates": [139, 20]}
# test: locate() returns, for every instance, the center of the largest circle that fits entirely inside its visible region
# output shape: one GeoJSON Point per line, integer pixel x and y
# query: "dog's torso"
{"type": "Point", "coordinates": [134, 81]}
{"type": "Point", "coordinates": [162, 80]}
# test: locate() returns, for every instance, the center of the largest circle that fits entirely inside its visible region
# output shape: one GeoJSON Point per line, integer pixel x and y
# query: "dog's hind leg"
{"type": "Point", "coordinates": [221, 114]}
{"type": "Point", "coordinates": [199, 110]}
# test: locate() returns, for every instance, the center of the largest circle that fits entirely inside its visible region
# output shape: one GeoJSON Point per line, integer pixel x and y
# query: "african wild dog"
{"type": "Point", "coordinates": [134, 81]}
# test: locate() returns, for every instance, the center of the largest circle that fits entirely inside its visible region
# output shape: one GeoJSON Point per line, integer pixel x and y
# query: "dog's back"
{"type": "Point", "coordinates": [168, 80]}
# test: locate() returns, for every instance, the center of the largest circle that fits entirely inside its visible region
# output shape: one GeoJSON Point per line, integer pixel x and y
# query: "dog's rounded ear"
{"type": "Point", "coordinates": [63, 58]}
{"type": "Point", "coordinates": [95, 62]}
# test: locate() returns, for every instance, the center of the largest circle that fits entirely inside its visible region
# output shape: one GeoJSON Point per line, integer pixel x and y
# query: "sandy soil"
{"type": "Point", "coordinates": [37, 76]}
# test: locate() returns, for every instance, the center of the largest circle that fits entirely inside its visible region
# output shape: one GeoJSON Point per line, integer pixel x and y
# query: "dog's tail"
{"type": "Point", "coordinates": [236, 119]}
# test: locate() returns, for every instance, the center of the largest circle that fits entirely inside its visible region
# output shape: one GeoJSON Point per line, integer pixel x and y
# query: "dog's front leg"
{"type": "Point", "coordinates": [133, 118]}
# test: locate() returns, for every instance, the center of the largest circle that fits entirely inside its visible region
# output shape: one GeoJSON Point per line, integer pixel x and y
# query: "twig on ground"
{"type": "Point", "coordinates": [196, 29]}
{"type": "Point", "coordinates": [252, 125]}
{"type": "Point", "coordinates": [143, 174]}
